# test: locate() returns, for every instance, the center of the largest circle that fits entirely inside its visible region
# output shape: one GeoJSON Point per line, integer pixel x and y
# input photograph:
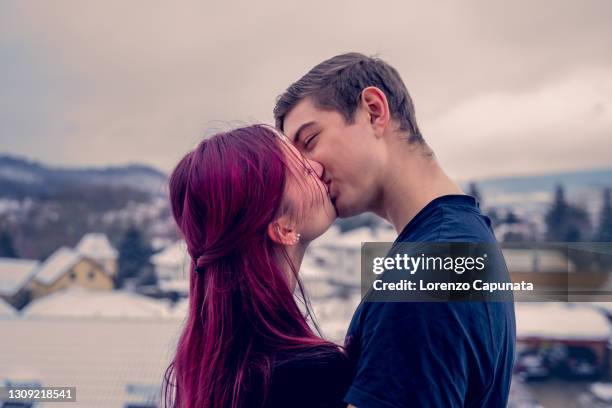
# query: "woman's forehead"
{"type": "Point", "coordinates": [288, 148]}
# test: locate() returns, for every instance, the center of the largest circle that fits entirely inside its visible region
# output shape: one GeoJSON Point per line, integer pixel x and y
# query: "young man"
{"type": "Point", "coordinates": [353, 115]}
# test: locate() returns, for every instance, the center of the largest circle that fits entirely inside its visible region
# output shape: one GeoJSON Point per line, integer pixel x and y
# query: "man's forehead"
{"type": "Point", "coordinates": [302, 116]}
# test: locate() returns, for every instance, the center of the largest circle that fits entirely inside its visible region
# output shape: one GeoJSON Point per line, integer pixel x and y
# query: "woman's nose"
{"type": "Point", "coordinates": [317, 167]}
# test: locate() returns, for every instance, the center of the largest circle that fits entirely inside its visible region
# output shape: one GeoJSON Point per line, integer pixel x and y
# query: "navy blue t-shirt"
{"type": "Point", "coordinates": [434, 354]}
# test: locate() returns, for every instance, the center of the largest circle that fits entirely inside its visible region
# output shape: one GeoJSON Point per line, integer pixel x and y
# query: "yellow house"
{"type": "Point", "coordinates": [97, 247]}
{"type": "Point", "coordinates": [68, 268]}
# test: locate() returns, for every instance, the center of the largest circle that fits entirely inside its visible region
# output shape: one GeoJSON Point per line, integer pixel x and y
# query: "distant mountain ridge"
{"type": "Point", "coordinates": [20, 177]}
{"type": "Point", "coordinates": [532, 195]}
{"type": "Point", "coordinates": [28, 177]}
{"type": "Point", "coordinates": [572, 180]}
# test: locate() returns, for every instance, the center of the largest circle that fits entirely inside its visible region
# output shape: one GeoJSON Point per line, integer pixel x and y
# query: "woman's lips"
{"type": "Point", "coordinates": [332, 196]}
{"type": "Point", "coordinates": [327, 189]}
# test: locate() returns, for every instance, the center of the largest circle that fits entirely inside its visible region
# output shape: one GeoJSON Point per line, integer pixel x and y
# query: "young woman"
{"type": "Point", "coordinates": [248, 204]}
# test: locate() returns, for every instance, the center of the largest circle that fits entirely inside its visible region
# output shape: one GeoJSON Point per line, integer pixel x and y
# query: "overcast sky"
{"type": "Point", "coordinates": [500, 88]}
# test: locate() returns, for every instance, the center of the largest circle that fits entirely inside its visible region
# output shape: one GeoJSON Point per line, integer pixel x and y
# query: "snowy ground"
{"type": "Point", "coordinates": [114, 346]}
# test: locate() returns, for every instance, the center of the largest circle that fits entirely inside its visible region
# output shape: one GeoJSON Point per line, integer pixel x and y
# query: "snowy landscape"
{"type": "Point", "coordinates": [66, 321]}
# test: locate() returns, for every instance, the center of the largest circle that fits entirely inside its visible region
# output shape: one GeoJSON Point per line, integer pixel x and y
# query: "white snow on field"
{"type": "Point", "coordinates": [6, 310]}
{"type": "Point", "coordinates": [80, 302]}
{"type": "Point", "coordinates": [112, 363]}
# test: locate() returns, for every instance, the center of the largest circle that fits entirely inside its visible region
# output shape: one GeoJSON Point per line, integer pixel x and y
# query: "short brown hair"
{"type": "Point", "coordinates": [336, 84]}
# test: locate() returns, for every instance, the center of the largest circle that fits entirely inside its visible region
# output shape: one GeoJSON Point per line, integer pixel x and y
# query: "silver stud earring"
{"type": "Point", "coordinates": [298, 236]}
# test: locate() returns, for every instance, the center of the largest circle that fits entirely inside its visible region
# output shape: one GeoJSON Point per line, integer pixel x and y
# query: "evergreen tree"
{"type": "Point", "coordinates": [604, 232]}
{"type": "Point", "coordinates": [493, 216]}
{"type": "Point", "coordinates": [555, 217]}
{"type": "Point", "coordinates": [474, 192]}
{"type": "Point", "coordinates": [565, 222]}
{"type": "Point", "coordinates": [147, 276]}
{"type": "Point", "coordinates": [134, 257]}
{"type": "Point", "coordinates": [511, 218]}
{"type": "Point", "coordinates": [7, 249]}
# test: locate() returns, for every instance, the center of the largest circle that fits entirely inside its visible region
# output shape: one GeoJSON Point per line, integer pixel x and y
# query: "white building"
{"type": "Point", "coordinates": [172, 268]}
{"type": "Point", "coordinates": [15, 274]}
{"type": "Point", "coordinates": [537, 260]}
{"type": "Point", "coordinates": [340, 253]}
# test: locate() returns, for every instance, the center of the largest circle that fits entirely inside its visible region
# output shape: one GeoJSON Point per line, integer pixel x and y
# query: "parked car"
{"type": "Point", "coordinates": [531, 365]}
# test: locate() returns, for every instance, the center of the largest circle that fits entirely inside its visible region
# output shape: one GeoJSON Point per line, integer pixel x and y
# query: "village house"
{"type": "Point", "coordinates": [15, 274]}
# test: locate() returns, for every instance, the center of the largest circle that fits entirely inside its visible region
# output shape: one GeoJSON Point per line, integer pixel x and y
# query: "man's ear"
{"type": "Point", "coordinates": [375, 103]}
{"type": "Point", "coordinates": [282, 231]}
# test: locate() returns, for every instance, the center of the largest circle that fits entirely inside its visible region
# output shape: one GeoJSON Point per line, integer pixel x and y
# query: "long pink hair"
{"type": "Point", "coordinates": [242, 310]}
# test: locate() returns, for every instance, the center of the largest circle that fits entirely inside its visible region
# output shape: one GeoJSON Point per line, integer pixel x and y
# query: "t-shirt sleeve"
{"type": "Point", "coordinates": [411, 355]}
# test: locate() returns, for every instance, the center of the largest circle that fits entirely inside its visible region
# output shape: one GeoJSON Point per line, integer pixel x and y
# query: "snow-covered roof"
{"type": "Point", "coordinates": [81, 302]}
{"type": "Point", "coordinates": [605, 307]}
{"type": "Point", "coordinates": [174, 285]}
{"type": "Point", "coordinates": [56, 265]}
{"type": "Point", "coordinates": [180, 309]}
{"type": "Point", "coordinates": [559, 321]}
{"type": "Point", "coordinates": [112, 363]}
{"type": "Point", "coordinates": [159, 243]}
{"type": "Point", "coordinates": [96, 246]}
{"type": "Point", "coordinates": [536, 260]}
{"type": "Point", "coordinates": [602, 390]}
{"type": "Point", "coordinates": [309, 270]}
{"type": "Point", "coordinates": [330, 235]}
{"type": "Point", "coordinates": [366, 234]}
{"type": "Point", "coordinates": [6, 309]}
{"type": "Point", "coordinates": [174, 255]}
{"type": "Point", "coordinates": [354, 238]}
{"type": "Point", "coordinates": [14, 274]}
{"type": "Point", "coordinates": [516, 228]}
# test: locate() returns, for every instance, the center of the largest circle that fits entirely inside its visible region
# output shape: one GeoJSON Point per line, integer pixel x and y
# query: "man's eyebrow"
{"type": "Point", "coordinates": [297, 136]}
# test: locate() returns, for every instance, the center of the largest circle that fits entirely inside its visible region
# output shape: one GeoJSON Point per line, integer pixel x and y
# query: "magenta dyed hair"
{"type": "Point", "coordinates": [242, 311]}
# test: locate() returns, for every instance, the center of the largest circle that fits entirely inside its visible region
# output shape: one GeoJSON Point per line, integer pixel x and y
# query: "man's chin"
{"type": "Point", "coordinates": [344, 211]}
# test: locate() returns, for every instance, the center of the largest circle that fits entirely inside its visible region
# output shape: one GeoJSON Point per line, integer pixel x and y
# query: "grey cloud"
{"type": "Point", "coordinates": [144, 80]}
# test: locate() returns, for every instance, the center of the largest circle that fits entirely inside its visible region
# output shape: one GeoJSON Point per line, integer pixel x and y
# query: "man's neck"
{"type": "Point", "coordinates": [414, 179]}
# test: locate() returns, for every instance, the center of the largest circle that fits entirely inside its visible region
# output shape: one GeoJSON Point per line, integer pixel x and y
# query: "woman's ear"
{"type": "Point", "coordinates": [282, 232]}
